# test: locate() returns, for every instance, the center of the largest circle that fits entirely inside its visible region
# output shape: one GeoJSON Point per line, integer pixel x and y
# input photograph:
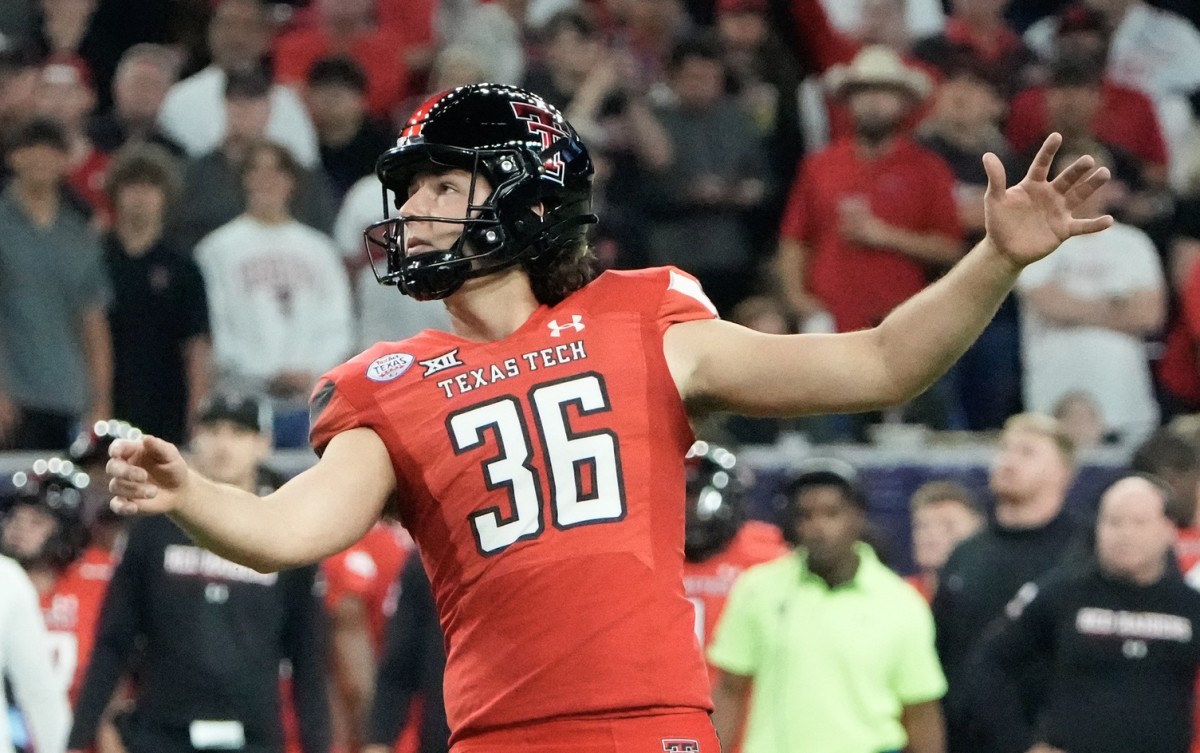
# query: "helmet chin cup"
{"type": "Point", "coordinates": [432, 275]}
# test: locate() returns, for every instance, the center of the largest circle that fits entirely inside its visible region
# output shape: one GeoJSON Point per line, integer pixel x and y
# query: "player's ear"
{"type": "Point", "coordinates": [539, 209]}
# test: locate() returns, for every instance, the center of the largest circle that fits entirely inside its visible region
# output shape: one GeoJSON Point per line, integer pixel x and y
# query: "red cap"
{"type": "Point", "coordinates": [742, 6]}
{"type": "Point", "coordinates": [1080, 17]}
{"type": "Point", "coordinates": [67, 70]}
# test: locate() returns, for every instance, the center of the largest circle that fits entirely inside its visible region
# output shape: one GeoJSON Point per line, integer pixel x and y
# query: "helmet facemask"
{"type": "Point", "coordinates": [540, 174]}
{"type": "Point", "coordinates": [487, 244]}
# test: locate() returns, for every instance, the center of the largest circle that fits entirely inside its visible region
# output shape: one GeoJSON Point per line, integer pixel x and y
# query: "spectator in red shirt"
{"type": "Point", "coordinates": [1179, 369]}
{"type": "Point", "coordinates": [980, 26]}
{"type": "Point", "coordinates": [1118, 115]}
{"type": "Point", "coordinates": [414, 21]}
{"type": "Point", "coordinates": [346, 29]}
{"type": "Point", "coordinates": [871, 214]}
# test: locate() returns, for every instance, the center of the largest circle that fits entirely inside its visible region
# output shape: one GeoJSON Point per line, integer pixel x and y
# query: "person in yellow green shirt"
{"type": "Point", "coordinates": [826, 650]}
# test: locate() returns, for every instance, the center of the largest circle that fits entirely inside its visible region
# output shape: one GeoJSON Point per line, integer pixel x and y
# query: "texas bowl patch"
{"type": "Point", "coordinates": [386, 368]}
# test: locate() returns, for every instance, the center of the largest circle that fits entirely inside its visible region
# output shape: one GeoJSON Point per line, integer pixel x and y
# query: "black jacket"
{"type": "Point", "coordinates": [1123, 663]}
{"type": "Point", "coordinates": [214, 636]}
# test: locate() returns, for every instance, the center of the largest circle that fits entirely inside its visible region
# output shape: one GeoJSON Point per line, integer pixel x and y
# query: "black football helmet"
{"type": "Point", "coordinates": [55, 486]}
{"type": "Point", "coordinates": [90, 446]}
{"type": "Point", "coordinates": [529, 154]}
{"type": "Point", "coordinates": [89, 450]}
{"type": "Point", "coordinates": [715, 486]}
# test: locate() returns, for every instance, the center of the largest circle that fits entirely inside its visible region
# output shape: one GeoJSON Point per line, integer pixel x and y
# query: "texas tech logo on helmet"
{"type": "Point", "coordinates": [540, 123]}
{"type": "Point", "coordinates": [679, 745]}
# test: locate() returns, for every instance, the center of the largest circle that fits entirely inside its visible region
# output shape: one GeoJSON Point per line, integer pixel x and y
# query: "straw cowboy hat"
{"type": "Point", "coordinates": [878, 66]}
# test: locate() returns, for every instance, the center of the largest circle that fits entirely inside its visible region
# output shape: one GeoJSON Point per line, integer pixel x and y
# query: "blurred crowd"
{"type": "Point", "coordinates": [186, 186]}
{"type": "Point", "coordinates": [185, 189]}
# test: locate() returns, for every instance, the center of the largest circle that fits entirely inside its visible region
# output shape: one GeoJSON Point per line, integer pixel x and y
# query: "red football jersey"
{"type": "Point", "coordinates": [542, 479]}
{"type": "Point", "coordinates": [707, 583]}
{"type": "Point", "coordinates": [369, 570]}
{"type": "Point", "coordinates": [71, 611]}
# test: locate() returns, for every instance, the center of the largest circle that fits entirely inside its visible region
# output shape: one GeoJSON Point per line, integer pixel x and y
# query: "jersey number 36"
{"type": "Point", "coordinates": [569, 458]}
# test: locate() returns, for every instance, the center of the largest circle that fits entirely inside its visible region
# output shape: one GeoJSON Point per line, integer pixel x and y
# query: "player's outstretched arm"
{"type": "Point", "coordinates": [721, 365]}
{"type": "Point", "coordinates": [318, 513]}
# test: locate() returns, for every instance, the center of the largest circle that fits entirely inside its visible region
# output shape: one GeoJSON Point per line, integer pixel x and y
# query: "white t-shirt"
{"type": "Point", "coordinates": [384, 313]}
{"type": "Point", "coordinates": [496, 40]}
{"type": "Point", "coordinates": [279, 300]}
{"type": "Point", "coordinates": [1109, 365]}
{"type": "Point", "coordinates": [25, 660]}
{"type": "Point", "coordinates": [924, 17]}
{"type": "Point", "coordinates": [193, 114]}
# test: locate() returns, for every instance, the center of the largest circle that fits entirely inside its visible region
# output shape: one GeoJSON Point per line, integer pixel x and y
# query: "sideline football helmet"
{"type": "Point", "coordinates": [715, 487]}
{"type": "Point", "coordinates": [529, 154]}
{"type": "Point", "coordinates": [56, 487]}
{"type": "Point", "coordinates": [90, 447]}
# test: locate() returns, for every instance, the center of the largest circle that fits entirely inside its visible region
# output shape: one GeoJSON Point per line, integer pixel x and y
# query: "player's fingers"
{"type": "Point", "coordinates": [159, 450]}
{"type": "Point", "coordinates": [123, 506]}
{"type": "Point", "coordinates": [1040, 169]}
{"type": "Point", "coordinates": [1067, 179]}
{"type": "Point", "coordinates": [1090, 225]}
{"type": "Point", "coordinates": [132, 490]}
{"type": "Point", "coordinates": [123, 470]}
{"type": "Point", "coordinates": [124, 448]}
{"type": "Point", "coordinates": [997, 180]}
{"type": "Point", "coordinates": [1086, 187]}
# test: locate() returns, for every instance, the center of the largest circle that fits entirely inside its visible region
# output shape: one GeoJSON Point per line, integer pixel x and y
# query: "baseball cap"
{"type": "Point", "coordinates": [39, 132]}
{"type": "Point", "coordinates": [67, 71]}
{"type": "Point", "coordinates": [242, 410]}
{"type": "Point", "coordinates": [827, 471]}
{"type": "Point", "coordinates": [338, 71]}
{"type": "Point", "coordinates": [1079, 17]}
{"type": "Point", "coordinates": [742, 6]}
{"type": "Point", "coordinates": [247, 84]}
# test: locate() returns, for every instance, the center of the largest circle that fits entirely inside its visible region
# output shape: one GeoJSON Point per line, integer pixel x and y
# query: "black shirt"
{"type": "Point", "coordinates": [347, 163]}
{"type": "Point", "coordinates": [1124, 661]}
{"type": "Point", "coordinates": [158, 306]}
{"type": "Point", "coordinates": [109, 133]}
{"type": "Point", "coordinates": [215, 634]}
{"type": "Point", "coordinates": [982, 575]}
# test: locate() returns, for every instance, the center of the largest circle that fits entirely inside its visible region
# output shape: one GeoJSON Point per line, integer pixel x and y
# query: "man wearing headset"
{"type": "Point", "coordinates": [838, 648]}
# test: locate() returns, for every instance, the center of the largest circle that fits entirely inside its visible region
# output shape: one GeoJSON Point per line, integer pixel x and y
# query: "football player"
{"type": "Point", "coordinates": [43, 529]}
{"type": "Point", "coordinates": [535, 453]}
{"type": "Point", "coordinates": [360, 595]}
{"type": "Point", "coordinates": [719, 542]}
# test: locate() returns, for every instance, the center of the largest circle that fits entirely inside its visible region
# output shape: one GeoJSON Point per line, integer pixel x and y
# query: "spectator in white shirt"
{"type": "Point", "coordinates": [25, 663]}
{"type": "Point", "coordinates": [193, 113]}
{"type": "Point", "coordinates": [279, 297]}
{"type": "Point", "coordinates": [1085, 313]}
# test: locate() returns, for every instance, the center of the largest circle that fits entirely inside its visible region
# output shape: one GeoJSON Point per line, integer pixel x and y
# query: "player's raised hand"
{"type": "Point", "coordinates": [149, 476]}
{"type": "Point", "coordinates": [1029, 220]}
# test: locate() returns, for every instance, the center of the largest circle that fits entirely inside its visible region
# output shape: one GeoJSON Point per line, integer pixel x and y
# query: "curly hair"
{"type": "Point", "coordinates": [563, 260]}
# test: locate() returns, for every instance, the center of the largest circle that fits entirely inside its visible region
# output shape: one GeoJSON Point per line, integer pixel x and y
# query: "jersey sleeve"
{"type": "Point", "coordinates": [330, 413]}
{"type": "Point", "coordinates": [683, 299]}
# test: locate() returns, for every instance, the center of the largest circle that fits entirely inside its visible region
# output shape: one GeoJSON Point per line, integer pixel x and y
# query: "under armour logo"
{"type": "Point", "coordinates": [441, 363]}
{"type": "Point", "coordinates": [556, 329]}
{"type": "Point", "coordinates": [678, 745]}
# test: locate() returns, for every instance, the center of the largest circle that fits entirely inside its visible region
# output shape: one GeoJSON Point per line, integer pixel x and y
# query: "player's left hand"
{"type": "Point", "coordinates": [1029, 220]}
